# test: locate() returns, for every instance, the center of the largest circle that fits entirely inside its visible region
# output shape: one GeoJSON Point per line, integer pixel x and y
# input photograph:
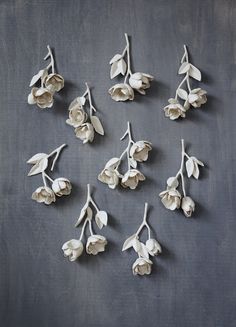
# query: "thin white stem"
{"type": "Point", "coordinates": [83, 229]}
{"type": "Point", "coordinates": [188, 82]}
{"type": "Point", "coordinates": [180, 172]}
{"type": "Point", "coordinates": [57, 151]}
{"type": "Point", "coordinates": [44, 179]}
{"type": "Point", "coordinates": [51, 58]}
{"type": "Point", "coordinates": [128, 57]}
{"type": "Point", "coordinates": [130, 142]}
{"type": "Point", "coordinates": [48, 177]}
{"type": "Point", "coordinates": [89, 198]}
{"type": "Point", "coordinates": [179, 86]}
{"type": "Point", "coordinates": [186, 53]}
{"type": "Point", "coordinates": [186, 78]}
{"type": "Point", "coordinates": [90, 227]}
{"type": "Point", "coordinates": [144, 222]}
{"type": "Point", "coordinates": [90, 100]}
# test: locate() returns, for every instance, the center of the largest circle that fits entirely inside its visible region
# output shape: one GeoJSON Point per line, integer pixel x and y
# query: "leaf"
{"type": "Point", "coordinates": [36, 77]}
{"type": "Point", "coordinates": [101, 219]}
{"type": "Point", "coordinates": [182, 94]}
{"type": "Point", "coordinates": [89, 213]}
{"type": "Point", "coordinates": [195, 73]}
{"type": "Point", "coordinates": [118, 67]}
{"type": "Point", "coordinates": [97, 125]}
{"type": "Point", "coordinates": [184, 68]}
{"type": "Point", "coordinates": [39, 167]}
{"type": "Point", "coordinates": [129, 242]}
{"type": "Point", "coordinates": [115, 58]}
{"type": "Point", "coordinates": [81, 216]}
{"type": "Point", "coordinates": [37, 157]}
{"type": "Point", "coordinates": [136, 245]}
{"type": "Point", "coordinates": [133, 163]}
{"type": "Point", "coordinates": [190, 167]}
{"type": "Point", "coordinates": [122, 66]}
{"type": "Point", "coordinates": [143, 252]}
{"type": "Point", "coordinates": [198, 161]}
{"type": "Point", "coordinates": [112, 163]}
{"type": "Point", "coordinates": [172, 182]}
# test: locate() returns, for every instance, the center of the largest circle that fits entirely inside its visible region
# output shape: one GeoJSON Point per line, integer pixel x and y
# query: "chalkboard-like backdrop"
{"type": "Point", "coordinates": [193, 282]}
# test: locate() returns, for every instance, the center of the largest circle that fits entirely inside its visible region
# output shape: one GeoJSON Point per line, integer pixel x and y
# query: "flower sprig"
{"type": "Point", "coordinates": [84, 123]}
{"type": "Point", "coordinates": [95, 243]}
{"type": "Point", "coordinates": [171, 198]}
{"type": "Point", "coordinates": [48, 83]}
{"type": "Point", "coordinates": [59, 187]}
{"type": "Point", "coordinates": [137, 81]}
{"type": "Point", "coordinates": [193, 98]}
{"type": "Point", "coordinates": [134, 152]}
{"type": "Point", "coordinates": [143, 265]}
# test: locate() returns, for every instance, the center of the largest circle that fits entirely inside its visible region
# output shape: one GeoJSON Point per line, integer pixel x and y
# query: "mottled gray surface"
{"type": "Point", "coordinates": [193, 282]}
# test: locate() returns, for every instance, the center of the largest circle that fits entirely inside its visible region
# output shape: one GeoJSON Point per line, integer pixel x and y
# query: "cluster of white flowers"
{"type": "Point", "coordinates": [95, 243]}
{"type": "Point", "coordinates": [193, 98]}
{"type": "Point", "coordinates": [84, 124]}
{"type": "Point", "coordinates": [171, 197]}
{"type": "Point", "coordinates": [143, 265]}
{"type": "Point", "coordinates": [135, 152]}
{"type": "Point", "coordinates": [59, 187]}
{"type": "Point", "coordinates": [48, 83]}
{"type": "Point", "coordinates": [137, 81]}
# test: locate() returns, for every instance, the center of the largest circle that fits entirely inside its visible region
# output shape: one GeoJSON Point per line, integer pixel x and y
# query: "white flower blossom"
{"type": "Point", "coordinates": [121, 92]}
{"type": "Point", "coordinates": [188, 206]}
{"type": "Point", "coordinates": [85, 132]}
{"type": "Point", "coordinates": [61, 186]}
{"type": "Point", "coordinates": [96, 244]}
{"type": "Point", "coordinates": [197, 97]}
{"type": "Point", "coordinates": [110, 177]}
{"type": "Point", "coordinates": [154, 247]}
{"type": "Point", "coordinates": [77, 116]}
{"type": "Point", "coordinates": [44, 194]}
{"type": "Point", "coordinates": [73, 249]}
{"type": "Point", "coordinates": [174, 109]}
{"type": "Point", "coordinates": [142, 266]}
{"type": "Point", "coordinates": [140, 82]}
{"type": "Point", "coordinates": [139, 150]}
{"type": "Point", "coordinates": [171, 199]}
{"type": "Point", "coordinates": [54, 82]}
{"type": "Point", "coordinates": [41, 96]}
{"type": "Point", "coordinates": [132, 178]}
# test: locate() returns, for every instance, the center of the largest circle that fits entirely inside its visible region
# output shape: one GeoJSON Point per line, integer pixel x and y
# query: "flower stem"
{"type": "Point", "coordinates": [144, 222]}
{"type": "Point", "coordinates": [180, 172]}
{"type": "Point", "coordinates": [57, 151]}
{"type": "Point", "coordinates": [48, 177]}
{"type": "Point", "coordinates": [52, 59]}
{"type": "Point", "coordinates": [90, 227]}
{"type": "Point", "coordinates": [90, 100]}
{"type": "Point", "coordinates": [83, 229]}
{"type": "Point", "coordinates": [128, 58]}
{"type": "Point", "coordinates": [126, 151]}
{"type": "Point", "coordinates": [44, 179]}
{"type": "Point", "coordinates": [89, 198]}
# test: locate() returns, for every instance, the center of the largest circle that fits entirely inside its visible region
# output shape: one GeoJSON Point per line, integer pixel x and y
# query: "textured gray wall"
{"type": "Point", "coordinates": [193, 282]}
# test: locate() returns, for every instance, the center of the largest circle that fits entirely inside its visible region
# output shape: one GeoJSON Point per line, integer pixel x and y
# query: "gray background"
{"type": "Point", "coordinates": [193, 282]}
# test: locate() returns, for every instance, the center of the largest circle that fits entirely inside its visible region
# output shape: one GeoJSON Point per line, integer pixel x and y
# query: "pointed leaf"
{"type": "Point", "coordinates": [143, 252]}
{"type": "Point", "coordinates": [115, 58]}
{"type": "Point", "coordinates": [122, 66]}
{"type": "Point", "coordinates": [184, 68]}
{"type": "Point", "coordinates": [97, 125]}
{"type": "Point", "coordinates": [190, 167]}
{"type": "Point", "coordinates": [98, 222]}
{"type": "Point", "coordinates": [36, 77]}
{"type": "Point", "coordinates": [195, 73]}
{"type": "Point", "coordinates": [37, 157]}
{"type": "Point", "coordinates": [136, 245]}
{"type": "Point", "coordinates": [172, 182]}
{"type": "Point", "coordinates": [112, 163]}
{"type": "Point", "coordinates": [89, 213]}
{"type": "Point", "coordinates": [133, 163]}
{"type": "Point", "coordinates": [39, 167]}
{"type": "Point", "coordinates": [81, 216]}
{"type": "Point", "coordinates": [115, 70]}
{"type": "Point", "coordinates": [129, 242]}
{"type": "Point", "coordinates": [196, 171]}
{"type": "Point", "coordinates": [182, 94]}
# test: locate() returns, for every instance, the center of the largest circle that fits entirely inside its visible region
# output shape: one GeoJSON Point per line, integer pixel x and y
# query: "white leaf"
{"type": "Point", "coordinates": [136, 245]}
{"type": "Point", "coordinates": [172, 182]}
{"type": "Point", "coordinates": [89, 213]}
{"type": "Point", "coordinates": [143, 252]}
{"type": "Point", "coordinates": [37, 157]}
{"type": "Point", "coordinates": [115, 70]}
{"type": "Point", "coordinates": [184, 68]}
{"type": "Point", "coordinates": [39, 167]}
{"type": "Point", "coordinates": [115, 58]}
{"type": "Point", "coordinates": [129, 242]}
{"type": "Point", "coordinates": [195, 73]}
{"type": "Point", "coordinates": [122, 66]}
{"type": "Point", "coordinates": [189, 167]}
{"type": "Point", "coordinates": [182, 94]}
{"type": "Point", "coordinates": [133, 163]}
{"type": "Point", "coordinates": [198, 161]}
{"type": "Point", "coordinates": [112, 163]}
{"type": "Point", "coordinates": [36, 77]}
{"type": "Point", "coordinates": [101, 219]}
{"type": "Point", "coordinates": [97, 125]}
{"type": "Point", "coordinates": [196, 172]}
{"type": "Point", "coordinates": [81, 216]}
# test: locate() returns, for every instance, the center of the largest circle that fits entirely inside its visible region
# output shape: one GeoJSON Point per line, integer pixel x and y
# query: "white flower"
{"type": "Point", "coordinates": [174, 110]}
{"type": "Point", "coordinates": [171, 199]}
{"type": "Point", "coordinates": [139, 150]}
{"type": "Point", "coordinates": [61, 186]}
{"type": "Point", "coordinates": [132, 178]}
{"type": "Point", "coordinates": [140, 82]}
{"type": "Point", "coordinates": [77, 116]}
{"type": "Point", "coordinates": [41, 96]}
{"type": "Point", "coordinates": [85, 132]}
{"type": "Point", "coordinates": [142, 266]}
{"type": "Point", "coordinates": [73, 249]}
{"type": "Point", "coordinates": [154, 248]}
{"type": "Point", "coordinates": [96, 244]}
{"type": "Point", "coordinates": [197, 97]}
{"type": "Point", "coordinates": [54, 82]}
{"type": "Point", "coordinates": [44, 194]}
{"type": "Point", "coordinates": [110, 177]}
{"type": "Point", "coordinates": [121, 92]}
{"type": "Point", "coordinates": [188, 206]}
